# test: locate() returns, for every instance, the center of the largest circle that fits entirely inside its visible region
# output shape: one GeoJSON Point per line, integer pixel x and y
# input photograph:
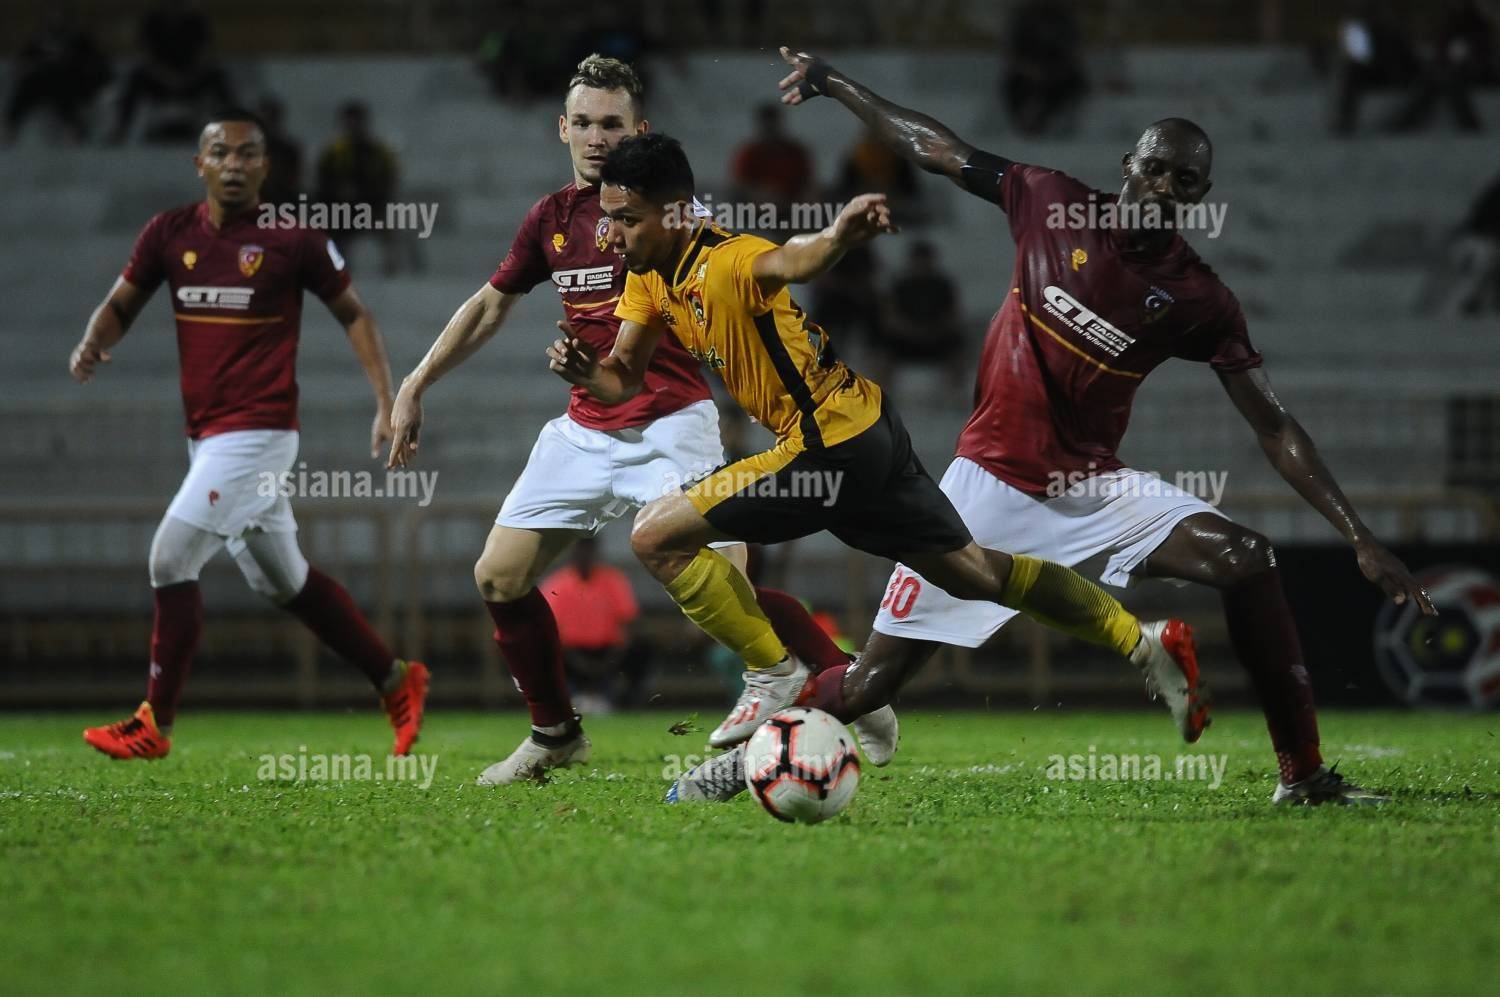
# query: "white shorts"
{"type": "Point", "coordinates": [1126, 514]}
{"type": "Point", "coordinates": [581, 479]}
{"type": "Point", "coordinates": [232, 484]}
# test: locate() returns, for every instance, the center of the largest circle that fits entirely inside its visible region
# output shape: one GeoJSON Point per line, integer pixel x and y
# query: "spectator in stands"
{"type": "Point", "coordinates": [284, 174]}
{"type": "Point", "coordinates": [1467, 280]}
{"type": "Point", "coordinates": [595, 607]}
{"type": "Point", "coordinates": [176, 82]}
{"type": "Point", "coordinates": [59, 69]}
{"type": "Point", "coordinates": [871, 165]}
{"type": "Point", "coordinates": [359, 170]}
{"type": "Point", "coordinates": [1462, 58]}
{"type": "Point", "coordinates": [772, 168]}
{"type": "Point", "coordinates": [923, 324]}
{"type": "Point", "coordinates": [1044, 76]}
{"type": "Point", "coordinates": [1373, 54]}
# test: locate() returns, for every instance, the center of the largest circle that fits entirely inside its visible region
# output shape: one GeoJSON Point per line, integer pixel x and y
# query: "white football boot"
{"type": "Point", "coordinates": [530, 760]}
{"type": "Point", "coordinates": [878, 733]}
{"type": "Point", "coordinates": [1168, 658]}
{"type": "Point", "coordinates": [715, 780]}
{"type": "Point", "coordinates": [1325, 786]}
{"type": "Point", "coordinates": [765, 693]}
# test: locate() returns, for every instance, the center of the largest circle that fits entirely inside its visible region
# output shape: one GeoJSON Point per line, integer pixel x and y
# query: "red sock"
{"type": "Point", "coordinates": [329, 611]}
{"type": "Point", "coordinates": [174, 638]}
{"type": "Point", "coordinates": [828, 693]}
{"type": "Point", "coordinates": [799, 631]}
{"type": "Point", "coordinates": [1265, 640]}
{"type": "Point", "coordinates": [526, 633]}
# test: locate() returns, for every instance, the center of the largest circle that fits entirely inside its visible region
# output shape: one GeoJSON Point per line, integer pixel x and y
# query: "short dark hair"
{"type": "Point", "coordinates": [600, 72]}
{"type": "Point", "coordinates": [653, 165]}
{"type": "Point", "coordinates": [225, 114]}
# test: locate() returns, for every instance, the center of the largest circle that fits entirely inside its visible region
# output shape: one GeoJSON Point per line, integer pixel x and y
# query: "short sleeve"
{"type": "Point", "coordinates": [145, 268]}
{"type": "Point", "coordinates": [322, 270]}
{"type": "Point", "coordinates": [1222, 341]}
{"type": "Point", "coordinates": [525, 266]}
{"type": "Point", "coordinates": [637, 303]}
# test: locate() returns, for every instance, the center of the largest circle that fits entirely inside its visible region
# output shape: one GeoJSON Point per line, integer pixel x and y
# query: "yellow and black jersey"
{"type": "Point", "coordinates": [776, 362]}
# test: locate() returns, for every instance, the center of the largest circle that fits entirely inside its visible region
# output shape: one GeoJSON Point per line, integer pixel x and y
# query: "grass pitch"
{"type": "Point", "coordinates": [960, 868]}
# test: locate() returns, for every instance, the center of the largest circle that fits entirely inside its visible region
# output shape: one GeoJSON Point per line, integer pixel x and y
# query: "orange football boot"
{"type": "Point", "coordinates": [406, 705]}
{"type": "Point", "coordinates": [135, 737]}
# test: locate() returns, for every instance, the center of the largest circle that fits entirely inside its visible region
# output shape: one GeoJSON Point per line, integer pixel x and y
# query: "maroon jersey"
{"type": "Point", "coordinates": [1085, 321]}
{"type": "Point", "coordinates": [237, 298]}
{"type": "Point", "coordinates": [562, 239]}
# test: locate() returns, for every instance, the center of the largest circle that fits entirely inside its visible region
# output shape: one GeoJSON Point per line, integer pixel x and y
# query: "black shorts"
{"type": "Point", "coordinates": [870, 491]}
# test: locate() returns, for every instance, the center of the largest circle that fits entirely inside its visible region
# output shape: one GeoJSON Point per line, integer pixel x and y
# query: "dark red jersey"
{"type": "Point", "coordinates": [1083, 323]}
{"type": "Point", "coordinates": [563, 239]}
{"type": "Point", "coordinates": [237, 298]}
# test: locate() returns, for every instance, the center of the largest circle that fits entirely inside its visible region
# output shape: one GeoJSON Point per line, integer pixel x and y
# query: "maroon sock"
{"type": "Point", "coordinates": [174, 638]}
{"type": "Point", "coordinates": [1264, 636]}
{"type": "Point", "coordinates": [828, 693]}
{"type": "Point", "coordinates": [799, 631]}
{"type": "Point", "coordinates": [329, 611]}
{"type": "Point", "coordinates": [526, 633]}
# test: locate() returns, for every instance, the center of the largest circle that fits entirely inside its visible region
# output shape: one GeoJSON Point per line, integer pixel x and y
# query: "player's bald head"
{"type": "Point", "coordinates": [1177, 140]}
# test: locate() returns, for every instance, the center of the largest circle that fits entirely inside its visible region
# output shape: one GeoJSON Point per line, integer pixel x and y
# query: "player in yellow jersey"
{"type": "Point", "coordinates": [842, 462]}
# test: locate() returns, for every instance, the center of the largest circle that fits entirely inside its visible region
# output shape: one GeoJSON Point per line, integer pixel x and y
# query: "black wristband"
{"type": "Point", "coordinates": [815, 79]}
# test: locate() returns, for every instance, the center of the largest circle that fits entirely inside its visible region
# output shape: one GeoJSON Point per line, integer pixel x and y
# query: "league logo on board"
{"type": "Point", "coordinates": [190, 259]}
{"type": "Point", "coordinates": [251, 257]}
{"type": "Point", "coordinates": [601, 234]}
{"type": "Point", "coordinates": [558, 242]}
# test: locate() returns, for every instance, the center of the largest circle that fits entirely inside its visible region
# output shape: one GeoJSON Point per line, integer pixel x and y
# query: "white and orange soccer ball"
{"type": "Point", "coordinates": [802, 766]}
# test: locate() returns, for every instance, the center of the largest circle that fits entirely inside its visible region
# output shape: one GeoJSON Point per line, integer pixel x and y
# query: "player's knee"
{"type": "Point", "coordinates": [501, 582]}
{"type": "Point", "coordinates": [648, 540]}
{"type": "Point", "coordinates": [1244, 555]}
{"type": "Point", "coordinates": [170, 567]}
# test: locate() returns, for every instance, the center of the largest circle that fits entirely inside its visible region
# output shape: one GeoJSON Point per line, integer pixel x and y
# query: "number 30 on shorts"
{"type": "Point", "coordinates": [901, 593]}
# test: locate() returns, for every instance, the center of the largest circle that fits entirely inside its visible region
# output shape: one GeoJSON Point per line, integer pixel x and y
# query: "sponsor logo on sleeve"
{"type": "Point", "coordinates": [335, 256]}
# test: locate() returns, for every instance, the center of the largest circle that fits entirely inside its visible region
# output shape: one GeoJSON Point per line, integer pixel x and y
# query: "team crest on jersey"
{"type": "Point", "coordinates": [190, 259]}
{"type": "Point", "coordinates": [251, 257]}
{"type": "Point", "coordinates": [695, 302]}
{"type": "Point", "coordinates": [601, 234]}
{"type": "Point", "coordinates": [1155, 305]}
{"type": "Point", "coordinates": [558, 242]}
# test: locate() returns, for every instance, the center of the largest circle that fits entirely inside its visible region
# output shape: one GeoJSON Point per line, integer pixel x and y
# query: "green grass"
{"type": "Point", "coordinates": [960, 868]}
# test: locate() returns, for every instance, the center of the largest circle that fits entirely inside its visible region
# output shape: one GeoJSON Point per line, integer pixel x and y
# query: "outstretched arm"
{"type": "Point", "coordinates": [476, 320]}
{"type": "Point", "coordinates": [364, 336]}
{"type": "Point", "coordinates": [107, 326]}
{"type": "Point", "coordinates": [924, 140]}
{"type": "Point", "coordinates": [1291, 451]}
{"type": "Point", "coordinates": [804, 257]}
{"type": "Point", "coordinates": [615, 379]}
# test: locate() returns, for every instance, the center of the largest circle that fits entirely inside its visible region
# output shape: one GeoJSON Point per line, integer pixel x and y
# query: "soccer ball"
{"type": "Point", "coordinates": [801, 765]}
{"type": "Point", "coordinates": [1453, 658]}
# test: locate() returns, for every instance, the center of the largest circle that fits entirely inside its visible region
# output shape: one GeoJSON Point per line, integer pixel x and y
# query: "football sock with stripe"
{"type": "Point", "coordinates": [713, 594]}
{"type": "Point", "coordinates": [1065, 600]}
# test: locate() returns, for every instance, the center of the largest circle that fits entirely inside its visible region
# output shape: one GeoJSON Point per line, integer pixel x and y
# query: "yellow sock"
{"type": "Point", "coordinates": [1065, 600]}
{"type": "Point", "coordinates": [714, 595]}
